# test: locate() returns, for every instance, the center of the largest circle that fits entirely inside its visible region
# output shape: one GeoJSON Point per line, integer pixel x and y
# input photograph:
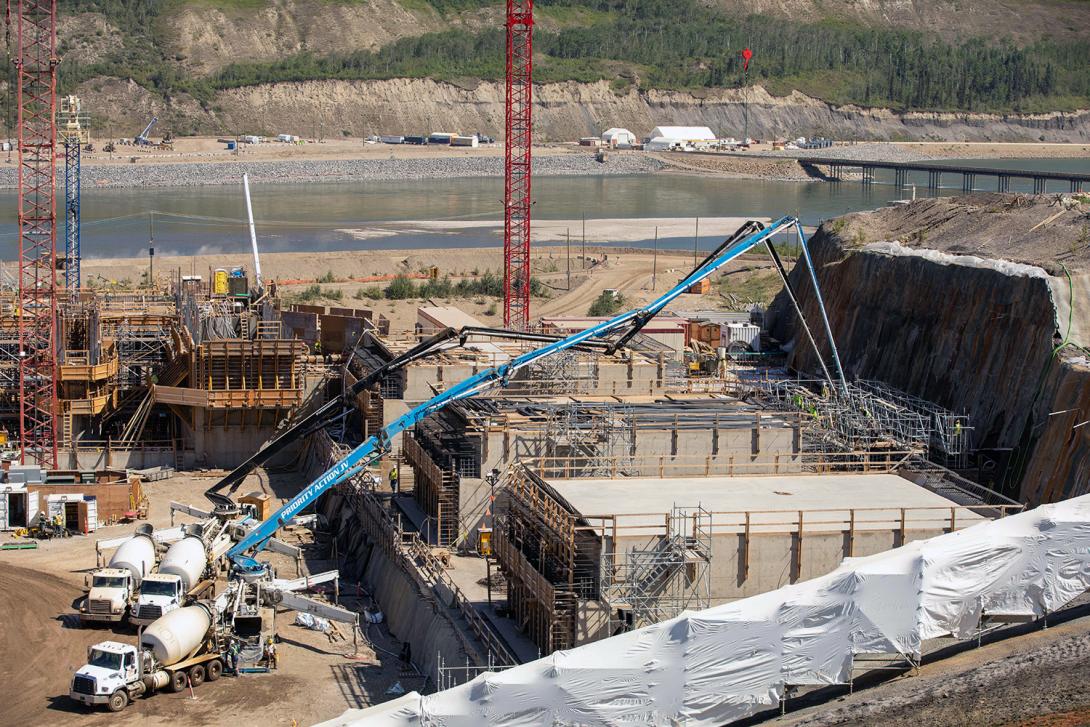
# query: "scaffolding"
{"type": "Point", "coordinates": [593, 440]}
{"type": "Point", "coordinates": [950, 440]}
{"type": "Point", "coordinates": [856, 420]}
{"type": "Point", "coordinates": [645, 586]}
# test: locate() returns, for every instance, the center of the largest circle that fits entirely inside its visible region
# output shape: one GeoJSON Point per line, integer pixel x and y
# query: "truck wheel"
{"type": "Point", "coordinates": [196, 675]}
{"type": "Point", "coordinates": [178, 680]}
{"type": "Point", "coordinates": [214, 669]}
{"type": "Point", "coordinates": [118, 701]}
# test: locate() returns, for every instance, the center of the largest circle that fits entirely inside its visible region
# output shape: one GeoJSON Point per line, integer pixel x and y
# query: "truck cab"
{"type": "Point", "coordinates": [160, 593]}
{"type": "Point", "coordinates": [109, 596]}
{"type": "Point", "coordinates": [111, 667]}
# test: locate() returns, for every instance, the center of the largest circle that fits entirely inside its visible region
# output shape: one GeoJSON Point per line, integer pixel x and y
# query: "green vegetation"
{"type": "Point", "coordinates": [400, 288]}
{"type": "Point", "coordinates": [757, 287]}
{"type": "Point", "coordinates": [315, 292]}
{"type": "Point", "coordinates": [371, 293]}
{"type": "Point", "coordinates": [679, 44]}
{"type": "Point", "coordinates": [403, 288]}
{"type": "Point", "coordinates": [606, 304]}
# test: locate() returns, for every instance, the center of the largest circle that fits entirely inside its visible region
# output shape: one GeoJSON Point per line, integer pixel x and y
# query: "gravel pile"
{"type": "Point", "coordinates": [345, 170]}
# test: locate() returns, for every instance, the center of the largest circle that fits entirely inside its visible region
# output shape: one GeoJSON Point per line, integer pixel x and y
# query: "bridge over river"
{"type": "Point", "coordinates": [935, 172]}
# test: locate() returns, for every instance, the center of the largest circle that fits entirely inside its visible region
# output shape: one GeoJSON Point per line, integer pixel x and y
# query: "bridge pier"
{"type": "Point", "coordinates": [900, 178]}
{"type": "Point", "coordinates": [1038, 185]}
{"type": "Point", "coordinates": [1004, 183]}
{"type": "Point", "coordinates": [968, 181]}
{"type": "Point", "coordinates": [868, 176]}
{"type": "Point", "coordinates": [934, 178]}
{"type": "Point", "coordinates": [1076, 185]}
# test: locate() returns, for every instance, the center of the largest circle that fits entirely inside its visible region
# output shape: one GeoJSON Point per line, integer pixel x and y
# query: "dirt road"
{"type": "Point", "coordinates": [41, 644]}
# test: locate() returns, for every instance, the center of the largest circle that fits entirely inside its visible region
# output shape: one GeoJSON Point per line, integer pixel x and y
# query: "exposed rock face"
{"type": "Point", "coordinates": [973, 334]}
{"type": "Point", "coordinates": [566, 111]}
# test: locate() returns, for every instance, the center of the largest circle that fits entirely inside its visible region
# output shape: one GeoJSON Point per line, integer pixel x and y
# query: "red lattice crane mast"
{"type": "Point", "coordinates": [516, 187]}
{"type": "Point", "coordinates": [35, 59]}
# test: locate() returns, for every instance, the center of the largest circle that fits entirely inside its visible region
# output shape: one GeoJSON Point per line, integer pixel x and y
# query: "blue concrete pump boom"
{"type": "Point", "coordinates": [625, 324]}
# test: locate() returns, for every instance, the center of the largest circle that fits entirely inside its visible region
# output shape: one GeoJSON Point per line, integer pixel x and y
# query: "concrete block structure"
{"type": "Point", "coordinates": [586, 558]}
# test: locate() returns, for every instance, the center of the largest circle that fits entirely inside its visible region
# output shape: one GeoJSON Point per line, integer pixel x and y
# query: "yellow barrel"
{"type": "Point", "coordinates": [219, 282]}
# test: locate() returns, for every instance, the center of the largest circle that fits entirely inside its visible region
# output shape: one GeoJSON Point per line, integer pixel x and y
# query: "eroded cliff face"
{"type": "Point", "coordinates": [973, 334]}
{"type": "Point", "coordinates": [562, 112]}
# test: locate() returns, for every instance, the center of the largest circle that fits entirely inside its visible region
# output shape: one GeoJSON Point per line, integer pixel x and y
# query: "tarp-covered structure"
{"type": "Point", "coordinates": [729, 662]}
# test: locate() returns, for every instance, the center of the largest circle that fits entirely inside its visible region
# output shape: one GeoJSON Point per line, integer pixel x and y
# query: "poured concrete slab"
{"type": "Point", "coordinates": [829, 502]}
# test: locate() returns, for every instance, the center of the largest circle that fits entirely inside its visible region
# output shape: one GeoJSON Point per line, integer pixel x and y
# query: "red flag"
{"type": "Point", "coordinates": [746, 55]}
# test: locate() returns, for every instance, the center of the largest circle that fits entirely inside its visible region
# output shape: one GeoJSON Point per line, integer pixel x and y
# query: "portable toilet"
{"type": "Point", "coordinates": [219, 282]}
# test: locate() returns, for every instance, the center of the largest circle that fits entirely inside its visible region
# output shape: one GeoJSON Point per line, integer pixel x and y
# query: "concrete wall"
{"type": "Point", "coordinates": [774, 557]}
{"type": "Point", "coordinates": [591, 377]}
{"type": "Point", "coordinates": [410, 616]}
{"type": "Point", "coordinates": [96, 458]}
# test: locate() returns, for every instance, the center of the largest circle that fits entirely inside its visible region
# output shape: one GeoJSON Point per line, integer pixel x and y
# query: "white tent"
{"type": "Point", "coordinates": [730, 662]}
{"type": "Point", "coordinates": [683, 134]}
{"type": "Point", "coordinates": [617, 137]}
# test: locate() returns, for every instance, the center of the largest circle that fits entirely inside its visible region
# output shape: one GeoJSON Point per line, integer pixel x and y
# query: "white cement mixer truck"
{"type": "Point", "coordinates": [183, 649]}
{"type": "Point", "coordinates": [187, 572]}
{"type": "Point", "coordinates": [114, 588]}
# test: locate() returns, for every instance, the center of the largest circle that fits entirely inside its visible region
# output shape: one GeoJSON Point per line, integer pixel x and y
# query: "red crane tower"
{"type": "Point", "coordinates": [516, 179]}
{"type": "Point", "coordinates": [35, 61]}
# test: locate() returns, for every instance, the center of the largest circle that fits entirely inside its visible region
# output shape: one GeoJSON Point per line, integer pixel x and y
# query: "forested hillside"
{"type": "Point", "coordinates": [195, 50]}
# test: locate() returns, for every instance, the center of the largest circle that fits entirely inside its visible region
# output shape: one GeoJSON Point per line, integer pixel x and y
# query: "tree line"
{"type": "Point", "coordinates": [670, 44]}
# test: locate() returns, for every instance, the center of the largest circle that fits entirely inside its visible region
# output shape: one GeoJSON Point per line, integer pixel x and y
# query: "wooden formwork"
{"type": "Point", "coordinates": [436, 490]}
{"type": "Point", "coordinates": [536, 547]}
{"type": "Point", "coordinates": [233, 365]}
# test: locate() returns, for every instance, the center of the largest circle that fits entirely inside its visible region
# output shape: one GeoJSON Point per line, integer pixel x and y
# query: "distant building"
{"type": "Point", "coordinates": [618, 138]}
{"type": "Point", "coordinates": [672, 137]}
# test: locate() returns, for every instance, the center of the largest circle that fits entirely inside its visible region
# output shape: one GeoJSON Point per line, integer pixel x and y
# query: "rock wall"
{"type": "Point", "coordinates": [563, 112]}
{"type": "Point", "coordinates": [975, 337]}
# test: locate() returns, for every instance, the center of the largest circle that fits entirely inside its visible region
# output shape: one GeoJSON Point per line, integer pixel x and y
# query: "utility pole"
{"type": "Point", "coordinates": [567, 234]}
{"type": "Point", "coordinates": [655, 260]}
{"type": "Point", "coordinates": [696, 242]}
{"type": "Point", "coordinates": [151, 249]}
{"type": "Point", "coordinates": [584, 265]}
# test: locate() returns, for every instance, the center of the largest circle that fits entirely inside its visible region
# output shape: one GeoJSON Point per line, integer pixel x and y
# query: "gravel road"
{"type": "Point", "coordinates": [198, 174]}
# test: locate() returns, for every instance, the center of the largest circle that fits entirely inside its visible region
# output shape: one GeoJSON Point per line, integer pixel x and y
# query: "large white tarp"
{"type": "Point", "coordinates": [729, 662]}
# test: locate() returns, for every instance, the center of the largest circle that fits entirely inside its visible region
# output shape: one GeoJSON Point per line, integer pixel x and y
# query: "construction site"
{"type": "Point", "coordinates": [221, 505]}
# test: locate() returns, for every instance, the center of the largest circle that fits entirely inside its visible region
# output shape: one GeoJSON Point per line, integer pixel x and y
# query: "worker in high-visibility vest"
{"type": "Point", "coordinates": [393, 479]}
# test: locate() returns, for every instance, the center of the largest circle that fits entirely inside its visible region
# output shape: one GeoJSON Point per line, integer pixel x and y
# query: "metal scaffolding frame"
{"type": "Point", "coordinates": [856, 420]}
{"type": "Point", "coordinates": [950, 433]}
{"type": "Point", "coordinates": [660, 581]}
{"type": "Point", "coordinates": [594, 440]}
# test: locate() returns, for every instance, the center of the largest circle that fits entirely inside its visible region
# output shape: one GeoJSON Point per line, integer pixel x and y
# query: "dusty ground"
{"type": "Point", "coordinates": [41, 644]}
{"type": "Point", "coordinates": [628, 271]}
{"type": "Point", "coordinates": [991, 150]}
{"type": "Point", "coordinates": [195, 149]}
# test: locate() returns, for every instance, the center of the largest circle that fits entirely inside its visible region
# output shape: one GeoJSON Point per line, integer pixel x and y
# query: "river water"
{"type": "Point", "coordinates": [204, 220]}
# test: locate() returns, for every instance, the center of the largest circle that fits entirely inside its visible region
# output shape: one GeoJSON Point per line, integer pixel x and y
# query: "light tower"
{"type": "Point", "coordinates": [35, 61]}
{"type": "Point", "coordinates": [516, 187]}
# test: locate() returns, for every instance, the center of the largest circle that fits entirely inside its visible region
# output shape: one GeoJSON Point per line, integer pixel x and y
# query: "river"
{"type": "Point", "coordinates": [203, 220]}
